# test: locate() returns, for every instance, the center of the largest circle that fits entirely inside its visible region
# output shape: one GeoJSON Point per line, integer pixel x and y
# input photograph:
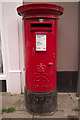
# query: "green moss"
{"type": "Point", "coordinates": [76, 109]}
{"type": "Point", "coordinates": [58, 105]}
{"type": "Point", "coordinates": [9, 110]}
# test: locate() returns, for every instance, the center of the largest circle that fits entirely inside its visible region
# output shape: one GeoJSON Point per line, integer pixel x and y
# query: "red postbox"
{"type": "Point", "coordinates": [40, 49]}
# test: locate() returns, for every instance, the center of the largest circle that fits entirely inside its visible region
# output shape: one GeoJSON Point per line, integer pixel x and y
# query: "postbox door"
{"type": "Point", "coordinates": [41, 67]}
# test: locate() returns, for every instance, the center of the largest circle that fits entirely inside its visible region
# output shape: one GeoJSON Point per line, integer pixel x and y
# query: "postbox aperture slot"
{"type": "Point", "coordinates": [40, 42]}
{"type": "Point", "coordinates": [41, 27]}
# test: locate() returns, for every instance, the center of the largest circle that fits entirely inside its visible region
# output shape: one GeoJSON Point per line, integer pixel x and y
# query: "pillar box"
{"type": "Point", "coordinates": [40, 51]}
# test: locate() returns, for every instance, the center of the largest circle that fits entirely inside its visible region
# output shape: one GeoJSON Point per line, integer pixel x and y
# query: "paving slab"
{"type": "Point", "coordinates": [75, 99]}
{"type": "Point", "coordinates": [68, 103]}
{"type": "Point", "coordinates": [70, 112]}
{"type": "Point", "coordinates": [16, 101]}
{"type": "Point", "coordinates": [17, 114]}
{"type": "Point", "coordinates": [9, 101]}
{"type": "Point", "coordinates": [5, 93]}
{"type": "Point", "coordinates": [20, 104]}
{"type": "Point", "coordinates": [65, 101]}
{"type": "Point", "coordinates": [57, 114]}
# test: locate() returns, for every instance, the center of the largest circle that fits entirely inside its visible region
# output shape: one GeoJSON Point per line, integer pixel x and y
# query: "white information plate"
{"type": "Point", "coordinates": [40, 42]}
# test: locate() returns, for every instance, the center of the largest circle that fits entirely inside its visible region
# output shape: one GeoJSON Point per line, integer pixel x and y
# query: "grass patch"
{"type": "Point", "coordinates": [58, 104]}
{"type": "Point", "coordinates": [76, 109]}
{"type": "Point", "coordinates": [8, 110]}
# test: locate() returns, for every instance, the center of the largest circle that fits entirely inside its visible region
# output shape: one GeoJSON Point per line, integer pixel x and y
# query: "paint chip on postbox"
{"type": "Point", "coordinates": [40, 42]}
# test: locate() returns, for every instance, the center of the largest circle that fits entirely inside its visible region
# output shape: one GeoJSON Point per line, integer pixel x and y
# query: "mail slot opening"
{"type": "Point", "coordinates": [41, 27]}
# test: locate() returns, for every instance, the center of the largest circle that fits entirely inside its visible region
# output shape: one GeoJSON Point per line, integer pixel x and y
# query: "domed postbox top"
{"type": "Point", "coordinates": [40, 10]}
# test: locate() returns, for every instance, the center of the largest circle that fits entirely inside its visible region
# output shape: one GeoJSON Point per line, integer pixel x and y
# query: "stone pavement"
{"type": "Point", "coordinates": [68, 107]}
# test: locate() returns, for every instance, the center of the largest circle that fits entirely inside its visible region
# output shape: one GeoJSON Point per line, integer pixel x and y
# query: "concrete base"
{"type": "Point", "coordinates": [41, 103]}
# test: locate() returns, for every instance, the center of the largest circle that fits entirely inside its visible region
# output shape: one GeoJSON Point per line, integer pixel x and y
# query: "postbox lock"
{"type": "Point", "coordinates": [50, 64]}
